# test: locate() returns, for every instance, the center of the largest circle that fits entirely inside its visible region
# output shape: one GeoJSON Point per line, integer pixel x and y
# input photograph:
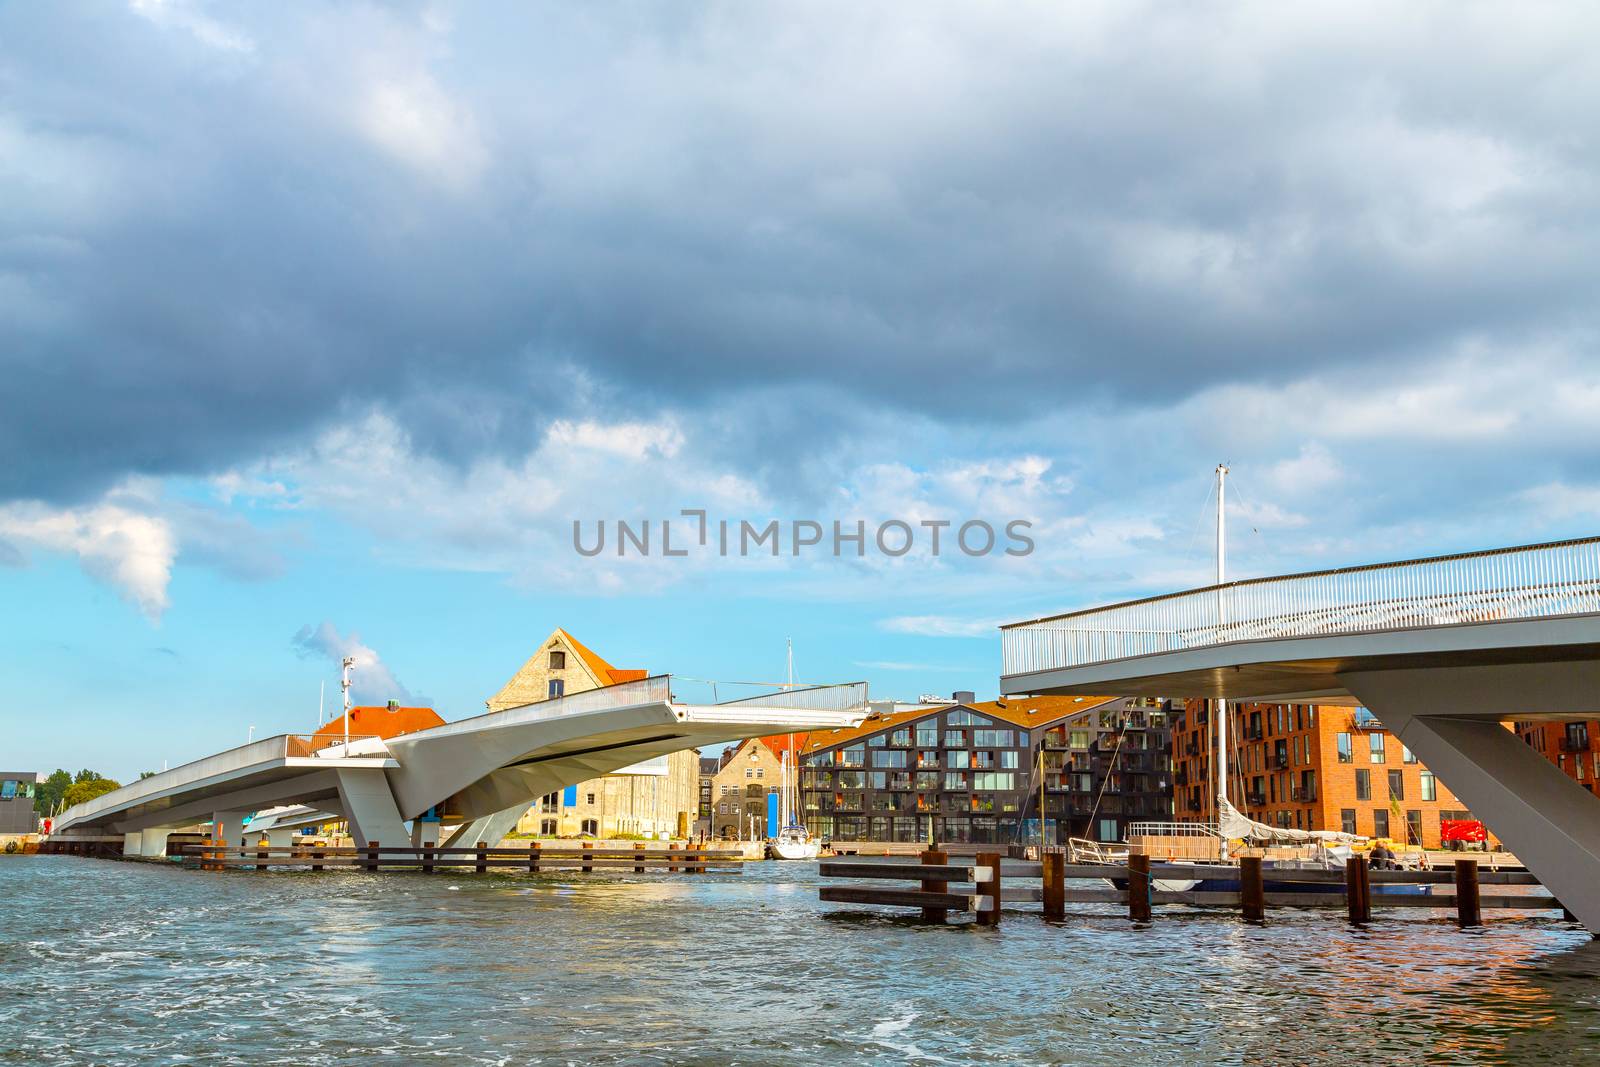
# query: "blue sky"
{"type": "Point", "coordinates": [321, 327]}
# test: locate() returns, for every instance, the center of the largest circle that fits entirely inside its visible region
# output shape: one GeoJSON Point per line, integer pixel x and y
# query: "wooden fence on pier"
{"type": "Point", "coordinates": [983, 887]}
{"type": "Point", "coordinates": [480, 859]}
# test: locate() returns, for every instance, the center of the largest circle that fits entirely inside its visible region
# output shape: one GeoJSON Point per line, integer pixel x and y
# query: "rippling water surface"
{"type": "Point", "coordinates": [109, 962]}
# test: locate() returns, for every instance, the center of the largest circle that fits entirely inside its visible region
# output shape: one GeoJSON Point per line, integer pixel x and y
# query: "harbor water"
{"type": "Point", "coordinates": [105, 962]}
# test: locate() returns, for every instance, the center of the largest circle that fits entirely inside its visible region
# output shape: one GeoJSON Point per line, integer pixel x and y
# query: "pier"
{"type": "Point", "coordinates": [984, 887]}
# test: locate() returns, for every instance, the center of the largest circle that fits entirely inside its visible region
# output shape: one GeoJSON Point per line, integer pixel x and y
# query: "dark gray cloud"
{"type": "Point", "coordinates": [221, 231]}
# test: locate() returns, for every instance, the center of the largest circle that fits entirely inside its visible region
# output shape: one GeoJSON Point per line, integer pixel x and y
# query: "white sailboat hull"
{"type": "Point", "coordinates": [796, 850]}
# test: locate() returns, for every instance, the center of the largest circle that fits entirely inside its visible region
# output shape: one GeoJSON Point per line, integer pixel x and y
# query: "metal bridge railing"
{"type": "Point", "coordinates": [265, 750]}
{"type": "Point", "coordinates": [1534, 581]}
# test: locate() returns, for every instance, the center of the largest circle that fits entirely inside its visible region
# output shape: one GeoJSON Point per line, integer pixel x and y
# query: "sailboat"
{"type": "Point", "coordinates": [1331, 847]}
{"type": "Point", "coordinates": [794, 841]}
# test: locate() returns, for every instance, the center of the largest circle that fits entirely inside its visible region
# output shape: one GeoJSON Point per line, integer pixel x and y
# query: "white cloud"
{"type": "Point", "coordinates": [129, 550]}
{"type": "Point", "coordinates": [1560, 500]}
{"type": "Point", "coordinates": [919, 668]}
{"type": "Point", "coordinates": [184, 15]}
{"type": "Point", "coordinates": [941, 626]}
{"type": "Point", "coordinates": [371, 680]}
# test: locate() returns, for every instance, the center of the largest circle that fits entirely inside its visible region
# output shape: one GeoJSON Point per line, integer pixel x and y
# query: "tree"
{"type": "Point", "coordinates": [87, 776]}
{"type": "Point", "coordinates": [87, 789]}
{"type": "Point", "coordinates": [48, 796]}
{"type": "Point", "coordinates": [146, 774]}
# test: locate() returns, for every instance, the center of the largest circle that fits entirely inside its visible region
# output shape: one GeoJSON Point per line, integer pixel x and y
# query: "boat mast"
{"type": "Point", "coordinates": [1222, 618]}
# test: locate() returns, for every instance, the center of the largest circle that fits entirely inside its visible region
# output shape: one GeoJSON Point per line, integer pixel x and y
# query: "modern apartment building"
{"type": "Point", "coordinates": [966, 771]}
{"type": "Point", "coordinates": [1310, 767]}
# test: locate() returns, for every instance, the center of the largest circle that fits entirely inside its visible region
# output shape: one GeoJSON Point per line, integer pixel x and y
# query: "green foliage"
{"type": "Point", "coordinates": [87, 776]}
{"type": "Point", "coordinates": [87, 789]}
{"type": "Point", "coordinates": [47, 798]}
{"type": "Point", "coordinates": [146, 774]}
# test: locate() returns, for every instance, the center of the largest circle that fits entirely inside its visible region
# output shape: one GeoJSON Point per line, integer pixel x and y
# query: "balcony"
{"type": "Point", "coordinates": [1192, 804]}
{"type": "Point", "coordinates": [1580, 743]}
{"type": "Point", "coordinates": [1308, 794]}
{"type": "Point", "coordinates": [1256, 800]}
{"type": "Point", "coordinates": [1281, 759]}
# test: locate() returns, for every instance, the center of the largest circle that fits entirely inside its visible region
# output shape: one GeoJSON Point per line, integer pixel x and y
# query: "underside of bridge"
{"type": "Point", "coordinates": [1445, 691]}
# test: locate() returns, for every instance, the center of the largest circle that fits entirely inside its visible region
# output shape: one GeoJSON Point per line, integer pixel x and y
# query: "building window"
{"type": "Point", "coordinates": [1413, 826]}
{"type": "Point", "coordinates": [749, 772]}
{"type": "Point", "coordinates": [1406, 755]}
{"type": "Point", "coordinates": [1397, 785]}
{"type": "Point", "coordinates": [1346, 754]}
{"type": "Point", "coordinates": [1380, 822]}
{"type": "Point", "coordinates": [1108, 830]}
{"type": "Point", "coordinates": [557, 687]}
{"type": "Point", "coordinates": [1375, 746]}
{"type": "Point", "coordinates": [959, 759]}
{"type": "Point", "coordinates": [591, 826]}
{"type": "Point", "coordinates": [558, 661]}
{"type": "Point", "coordinates": [1347, 820]}
{"type": "Point", "coordinates": [1430, 791]}
{"type": "Point", "coordinates": [1364, 786]}
{"type": "Point", "coordinates": [591, 798]}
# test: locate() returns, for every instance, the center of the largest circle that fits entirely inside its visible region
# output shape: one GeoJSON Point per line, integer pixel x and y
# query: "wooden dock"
{"type": "Point", "coordinates": [481, 859]}
{"type": "Point", "coordinates": [983, 886]}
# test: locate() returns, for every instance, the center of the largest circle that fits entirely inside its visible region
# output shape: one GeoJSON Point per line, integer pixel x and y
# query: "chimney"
{"type": "Point", "coordinates": [964, 696]}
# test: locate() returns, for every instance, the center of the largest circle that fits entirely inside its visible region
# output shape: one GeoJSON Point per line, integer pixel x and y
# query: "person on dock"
{"type": "Point", "coordinates": [1381, 858]}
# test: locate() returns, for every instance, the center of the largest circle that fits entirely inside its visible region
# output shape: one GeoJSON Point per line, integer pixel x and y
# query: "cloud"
{"type": "Point", "coordinates": [371, 680]}
{"type": "Point", "coordinates": [239, 229]}
{"type": "Point", "coordinates": [940, 626]}
{"type": "Point", "coordinates": [920, 668]}
{"type": "Point", "coordinates": [130, 551]}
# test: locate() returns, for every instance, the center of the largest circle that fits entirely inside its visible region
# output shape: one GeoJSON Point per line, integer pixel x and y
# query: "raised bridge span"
{"type": "Point", "coordinates": [1442, 649]}
{"type": "Point", "coordinates": [481, 773]}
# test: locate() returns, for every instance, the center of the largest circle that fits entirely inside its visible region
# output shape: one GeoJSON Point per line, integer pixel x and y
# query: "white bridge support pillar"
{"type": "Point", "coordinates": [229, 827]}
{"type": "Point", "coordinates": [370, 808]}
{"type": "Point", "coordinates": [1452, 720]}
{"type": "Point", "coordinates": [490, 829]}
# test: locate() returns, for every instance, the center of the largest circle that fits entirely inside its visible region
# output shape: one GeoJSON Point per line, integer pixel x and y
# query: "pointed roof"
{"type": "Point", "coordinates": [604, 672]}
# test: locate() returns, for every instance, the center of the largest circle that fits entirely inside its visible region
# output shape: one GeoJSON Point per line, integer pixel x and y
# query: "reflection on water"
{"type": "Point", "coordinates": [132, 963]}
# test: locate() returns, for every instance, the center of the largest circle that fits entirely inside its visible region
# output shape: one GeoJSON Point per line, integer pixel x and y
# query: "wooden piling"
{"type": "Point", "coordinates": [990, 915]}
{"type": "Point", "coordinates": [372, 855]}
{"type": "Point", "coordinates": [1358, 890]}
{"type": "Point", "coordinates": [316, 854]}
{"type": "Point", "coordinates": [1252, 889]}
{"type": "Point", "coordinates": [638, 859]}
{"type": "Point", "coordinates": [427, 857]}
{"type": "Point", "coordinates": [1468, 907]}
{"type": "Point", "coordinates": [934, 885]}
{"type": "Point", "coordinates": [482, 866]}
{"type": "Point", "coordinates": [1052, 872]}
{"type": "Point", "coordinates": [588, 860]}
{"type": "Point", "coordinates": [1139, 886]}
{"type": "Point", "coordinates": [533, 857]}
{"type": "Point", "coordinates": [261, 855]}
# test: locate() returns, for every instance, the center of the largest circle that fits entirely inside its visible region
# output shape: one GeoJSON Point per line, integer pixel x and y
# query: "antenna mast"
{"type": "Point", "coordinates": [344, 687]}
{"type": "Point", "coordinates": [1222, 618]}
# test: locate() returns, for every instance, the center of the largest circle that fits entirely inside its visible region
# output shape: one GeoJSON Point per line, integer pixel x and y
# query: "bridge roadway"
{"type": "Point", "coordinates": [481, 772]}
{"type": "Point", "coordinates": [1442, 650]}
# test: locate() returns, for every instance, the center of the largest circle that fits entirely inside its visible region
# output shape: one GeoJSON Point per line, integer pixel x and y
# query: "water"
{"type": "Point", "coordinates": [132, 963]}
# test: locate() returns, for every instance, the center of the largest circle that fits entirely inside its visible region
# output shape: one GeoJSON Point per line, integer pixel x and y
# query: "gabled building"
{"type": "Point", "coordinates": [748, 773]}
{"type": "Point", "coordinates": [980, 772]}
{"type": "Point", "coordinates": [656, 797]}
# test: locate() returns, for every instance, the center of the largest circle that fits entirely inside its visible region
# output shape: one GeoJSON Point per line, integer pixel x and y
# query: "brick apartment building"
{"type": "Point", "coordinates": [1569, 745]}
{"type": "Point", "coordinates": [1310, 767]}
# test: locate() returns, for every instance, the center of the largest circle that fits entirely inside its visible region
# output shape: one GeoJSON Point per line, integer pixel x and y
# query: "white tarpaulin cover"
{"type": "Point", "coordinates": [1235, 824]}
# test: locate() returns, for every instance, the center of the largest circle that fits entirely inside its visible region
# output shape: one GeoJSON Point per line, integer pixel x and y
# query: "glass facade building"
{"type": "Point", "coordinates": [978, 773]}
